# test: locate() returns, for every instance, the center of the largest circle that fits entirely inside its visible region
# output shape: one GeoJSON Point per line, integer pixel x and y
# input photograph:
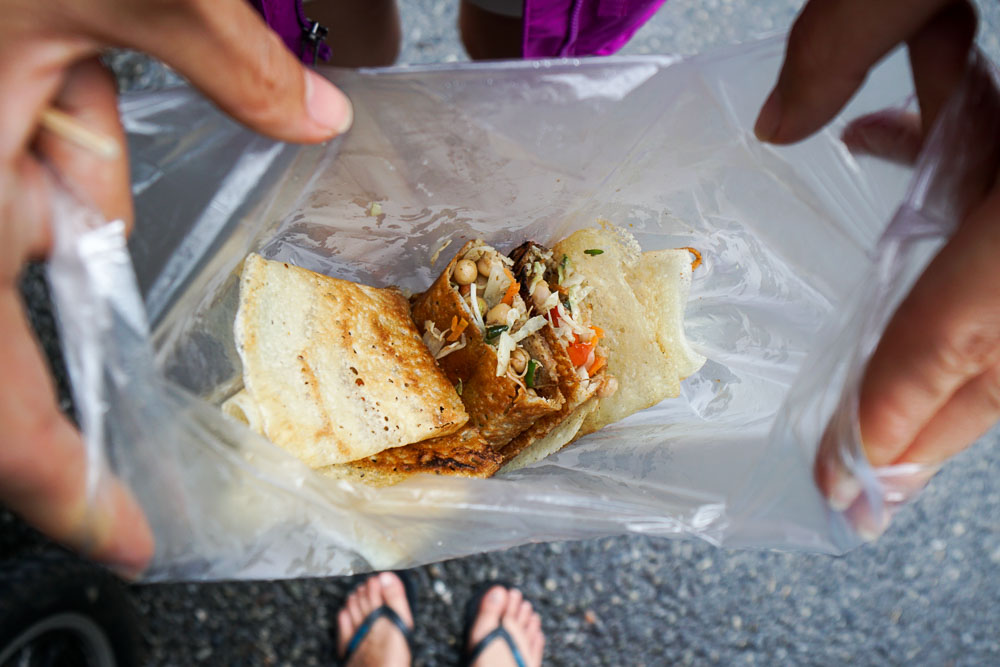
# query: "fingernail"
{"type": "Point", "coordinates": [844, 492]}
{"type": "Point", "coordinates": [769, 120]}
{"type": "Point", "coordinates": [127, 573]}
{"type": "Point", "coordinates": [327, 106]}
{"type": "Point", "coordinates": [871, 531]}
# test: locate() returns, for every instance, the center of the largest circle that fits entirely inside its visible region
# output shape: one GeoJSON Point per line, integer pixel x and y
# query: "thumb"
{"type": "Point", "coordinates": [227, 51]}
{"type": "Point", "coordinates": [891, 134]}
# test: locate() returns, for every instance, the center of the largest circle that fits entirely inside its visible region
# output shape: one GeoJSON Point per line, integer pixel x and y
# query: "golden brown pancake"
{"type": "Point", "coordinates": [336, 370]}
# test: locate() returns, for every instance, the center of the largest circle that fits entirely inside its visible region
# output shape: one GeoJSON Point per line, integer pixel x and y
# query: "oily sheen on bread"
{"type": "Point", "coordinates": [335, 371]}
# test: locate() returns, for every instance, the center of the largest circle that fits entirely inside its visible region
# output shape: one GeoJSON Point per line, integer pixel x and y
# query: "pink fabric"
{"type": "Point", "coordinates": [566, 28]}
{"type": "Point", "coordinates": [287, 18]}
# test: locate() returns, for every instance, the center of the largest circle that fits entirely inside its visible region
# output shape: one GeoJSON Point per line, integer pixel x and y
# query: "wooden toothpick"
{"type": "Point", "coordinates": [71, 129]}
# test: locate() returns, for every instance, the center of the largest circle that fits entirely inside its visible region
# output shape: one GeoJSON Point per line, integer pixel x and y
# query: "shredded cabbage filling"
{"type": "Point", "coordinates": [435, 340]}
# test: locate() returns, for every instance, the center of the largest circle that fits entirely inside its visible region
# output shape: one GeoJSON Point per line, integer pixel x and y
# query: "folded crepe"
{"type": "Point", "coordinates": [636, 300]}
{"type": "Point", "coordinates": [639, 304]}
{"type": "Point", "coordinates": [476, 324]}
{"type": "Point", "coordinates": [335, 371]}
{"type": "Point", "coordinates": [461, 454]}
{"type": "Point", "coordinates": [552, 288]}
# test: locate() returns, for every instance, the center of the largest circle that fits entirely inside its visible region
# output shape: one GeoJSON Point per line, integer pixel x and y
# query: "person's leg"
{"type": "Point", "coordinates": [363, 33]}
{"type": "Point", "coordinates": [487, 35]}
{"type": "Point", "coordinates": [384, 645]}
{"type": "Point", "coordinates": [507, 608]}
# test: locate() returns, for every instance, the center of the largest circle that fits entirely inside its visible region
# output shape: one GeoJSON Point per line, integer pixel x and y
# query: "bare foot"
{"type": "Point", "coordinates": [384, 645]}
{"type": "Point", "coordinates": [519, 619]}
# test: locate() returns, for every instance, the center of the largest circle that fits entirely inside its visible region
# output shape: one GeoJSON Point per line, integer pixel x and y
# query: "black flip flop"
{"type": "Point", "coordinates": [471, 611]}
{"type": "Point", "coordinates": [385, 611]}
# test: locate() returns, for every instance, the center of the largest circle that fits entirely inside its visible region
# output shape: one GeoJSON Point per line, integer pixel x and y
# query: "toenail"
{"type": "Point", "coordinates": [386, 578]}
{"type": "Point", "coordinates": [495, 596]}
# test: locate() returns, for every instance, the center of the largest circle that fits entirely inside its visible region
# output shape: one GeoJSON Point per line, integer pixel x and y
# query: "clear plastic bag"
{"type": "Point", "coordinates": [795, 288]}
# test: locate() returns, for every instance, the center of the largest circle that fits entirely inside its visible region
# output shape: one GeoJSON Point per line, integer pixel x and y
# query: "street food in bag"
{"type": "Point", "coordinates": [555, 291]}
{"type": "Point", "coordinates": [506, 373]}
{"type": "Point", "coordinates": [334, 371]}
{"type": "Point", "coordinates": [638, 302]}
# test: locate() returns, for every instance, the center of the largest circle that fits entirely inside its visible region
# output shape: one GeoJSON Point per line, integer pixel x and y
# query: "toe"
{"type": "Point", "coordinates": [354, 609]}
{"type": "Point", "coordinates": [537, 649]}
{"type": "Point", "coordinates": [492, 607]}
{"type": "Point", "coordinates": [345, 630]}
{"type": "Point", "coordinates": [364, 600]}
{"type": "Point", "coordinates": [524, 614]}
{"type": "Point", "coordinates": [514, 599]}
{"type": "Point", "coordinates": [394, 594]}
{"type": "Point", "coordinates": [373, 594]}
{"type": "Point", "coordinates": [535, 624]}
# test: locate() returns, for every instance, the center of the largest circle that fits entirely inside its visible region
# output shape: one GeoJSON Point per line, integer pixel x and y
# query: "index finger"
{"type": "Point", "coordinates": [43, 459]}
{"type": "Point", "coordinates": [830, 49]}
{"type": "Point", "coordinates": [227, 51]}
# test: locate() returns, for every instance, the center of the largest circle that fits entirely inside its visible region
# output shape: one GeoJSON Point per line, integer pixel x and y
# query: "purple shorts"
{"type": "Point", "coordinates": [561, 28]}
{"type": "Point", "coordinates": [552, 28]}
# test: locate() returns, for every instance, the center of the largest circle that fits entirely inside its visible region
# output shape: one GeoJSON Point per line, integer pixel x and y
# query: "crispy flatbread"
{"type": "Point", "coordinates": [498, 406]}
{"type": "Point", "coordinates": [661, 281]}
{"type": "Point", "coordinates": [641, 338]}
{"type": "Point", "coordinates": [555, 439]}
{"type": "Point", "coordinates": [336, 370]}
{"type": "Point", "coordinates": [461, 454]}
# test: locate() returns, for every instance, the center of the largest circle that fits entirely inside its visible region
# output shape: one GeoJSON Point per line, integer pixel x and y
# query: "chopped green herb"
{"type": "Point", "coordinates": [561, 269]}
{"type": "Point", "coordinates": [529, 375]}
{"type": "Point", "coordinates": [493, 332]}
{"type": "Point", "coordinates": [458, 387]}
{"type": "Point", "coordinates": [593, 251]}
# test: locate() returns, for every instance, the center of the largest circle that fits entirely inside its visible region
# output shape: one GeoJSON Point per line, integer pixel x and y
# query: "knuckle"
{"type": "Point", "coordinates": [266, 94]}
{"type": "Point", "coordinates": [806, 54]}
{"type": "Point", "coordinates": [193, 7]}
{"type": "Point", "coordinates": [817, 65]}
{"type": "Point", "coordinates": [965, 349]}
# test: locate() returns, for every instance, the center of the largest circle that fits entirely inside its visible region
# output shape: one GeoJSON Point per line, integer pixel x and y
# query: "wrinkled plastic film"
{"type": "Point", "coordinates": [505, 151]}
{"type": "Point", "coordinates": [954, 170]}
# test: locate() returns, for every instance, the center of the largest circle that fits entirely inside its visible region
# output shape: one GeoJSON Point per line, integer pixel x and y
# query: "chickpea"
{"type": "Point", "coordinates": [481, 283]}
{"type": "Point", "coordinates": [519, 360]}
{"type": "Point", "coordinates": [540, 295]}
{"type": "Point", "coordinates": [465, 272]}
{"type": "Point", "coordinates": [485, 265]}
{"type": "Point", "coordinates": [608, 387]}
{"type": "Point", "coordinates": [498, 314]}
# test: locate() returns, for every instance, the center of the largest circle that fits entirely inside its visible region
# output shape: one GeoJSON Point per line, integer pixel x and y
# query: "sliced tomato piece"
{"type": "Point", "coordinates": [579, 352]}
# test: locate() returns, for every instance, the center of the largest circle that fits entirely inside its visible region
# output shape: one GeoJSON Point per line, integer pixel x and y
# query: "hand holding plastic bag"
{"type": "Point", "coordinates": [932, 385]}
{"type": "Point", "coordinates": [49, 51]}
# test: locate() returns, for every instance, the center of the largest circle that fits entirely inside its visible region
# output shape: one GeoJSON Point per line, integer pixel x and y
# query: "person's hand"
{"type": "Point", "coordinates": [48, 57]}
{"type": "Point", "coordinates": [933, 384]}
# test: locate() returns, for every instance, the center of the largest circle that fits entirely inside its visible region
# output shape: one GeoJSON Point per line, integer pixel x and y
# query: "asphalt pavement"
{"type": "Point", "coordinates": [926, 593]}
